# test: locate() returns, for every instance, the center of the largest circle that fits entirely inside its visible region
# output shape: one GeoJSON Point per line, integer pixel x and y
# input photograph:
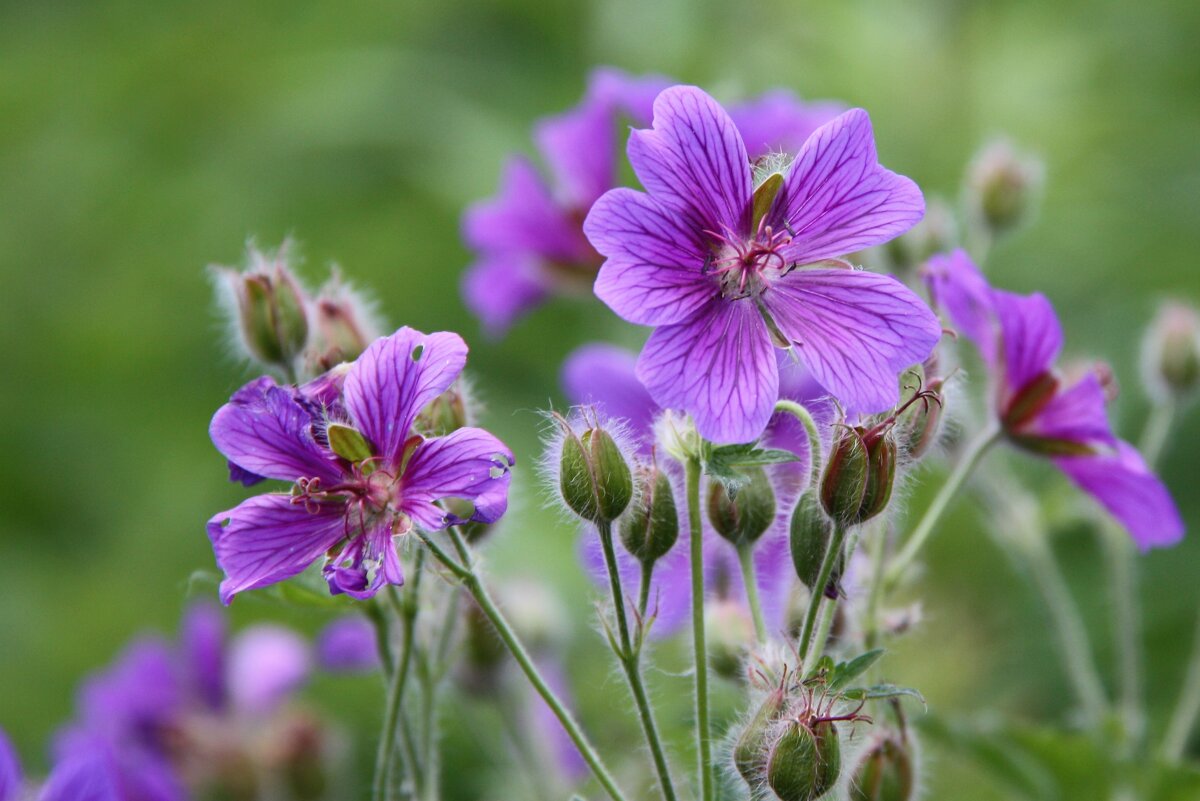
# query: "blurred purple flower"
{"type": "Point", "coordinates": [1019, 338]}
{"type": "Point", "coordinates": [528, 238]}
{"type": "Point", "coordinates": [93, 769]}
{"type": "Point", "coordinates": [347, 645]}
{"type": "Point", "coordinates": [717, 278]}
{"type": "Point", "coordinates": [548, 730]}
{"type": "Point", "coordinates": [267, 664]}
{"type": "Point", "coordinates": [348, 509]}
{"type": "Point", "coordinates": [11, 777]}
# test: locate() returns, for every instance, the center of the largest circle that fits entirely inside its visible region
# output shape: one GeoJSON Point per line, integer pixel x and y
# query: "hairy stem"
{"type": "Point", "coordinates": [406, 612]}
{"type": "Point", "coordinates": [1187, 709]}
{"type": "Point", "coordinates": [644, 589]}
{"type": "Point", "coordinates": [818, 592]}
{"type": "Point", "coordinates": [699, 648]}
{"type": "Point", "coordinates": [746, 558]}
{"type": "Point", "coordinates": [810, 428]}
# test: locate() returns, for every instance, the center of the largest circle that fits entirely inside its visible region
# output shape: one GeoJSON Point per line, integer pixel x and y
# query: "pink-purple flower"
{"type": "Point", "coordinates": [360, 475]}
{"type": "Point", "coordinates": [719, 267]}
{"type": "Point", "coordinates": [1019, 338]}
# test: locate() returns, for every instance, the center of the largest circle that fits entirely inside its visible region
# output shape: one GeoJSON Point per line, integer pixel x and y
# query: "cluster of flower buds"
{"type": "Point", "coordinates": [1002, 187]}
{"type": "Point", "coordinates": [860, 471]}
{"type": "Point", "coordinates": [1171, 354]}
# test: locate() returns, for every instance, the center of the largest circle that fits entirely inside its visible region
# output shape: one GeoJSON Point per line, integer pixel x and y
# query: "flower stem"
{"type": "Point", "coordinates": [406, 612]}
{"type": "Point", "coordinates": [630, 660]}
{"type": "Point", "coordinates": [875, 596]}
{"type": "Point", "coordinates": [699, 649]}
{"type": "Point", "coordinates": [470, 580]}
{"type": "Point", "coordinates": [644, 590]}
{"type": "Point", "coordinates": [746, 558]}
{"type": "Point", "coordinates": [818, 592]}
{"type": "Point", "coordinates": [810, 428]}
{"type": "Point", "coordinates": [937, 508]}
{"type": "Point", "coordinates": [1187, 709]}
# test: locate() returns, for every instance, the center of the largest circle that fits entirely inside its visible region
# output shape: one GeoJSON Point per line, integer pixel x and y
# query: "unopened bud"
{"type": "Point", "coordinates": [652, 525]}
{"type": "Point", "coordinates": [1002, 187]}
{"type": "Point", "coordinates": [885, 773]}
{"type": "Point", "coordinates": [729, 632]}
{"type": "Point", "coordinates": [594, 477]}
{"type": "Point", "coordinates": [935, 233]}
{"type": "Point", "coordinates": [272, 310]}
{"type": "Point", "coordinates": [811, 532]}
{"type": "Point", "coordinates": [750, 752]}
{"type": "Point", "coordinates": [344, 323]}
{"type": "Point", "coordinates": [860, 472]}
{"type": "Point", "coordinates": [919, 426]}
{"type": "Point", "coordinates": [444, 414]}
{"type": "Point", "coordinates": [1171, 354]}
{"type": "Point", "coordinates": [743, 513]}
{"type": "Point", "coordinates": [805, 761]}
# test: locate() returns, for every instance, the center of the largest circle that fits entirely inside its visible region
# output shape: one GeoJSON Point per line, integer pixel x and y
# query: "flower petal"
{"type": "Point", "coordinates": [267, 539]}
{"type": "Point", "coordinates": [469, 464]}
{"type": "Point", "coordinates": [348, 645]}
{"type": "Point", "coordinates": [11, 777]}
{"type": "Point", "coordinates": [264, 431]}
{"type": "Point", "coordinates": [365, 565]}
{"type": "Point", "coordinates": [854, 330]}
{"type": "Point", "coordinates": [1030, 335]}
{"type": "Point", "coordinates": [719, 367]}
{"type": "Point", "coordinates": [1077, 414]}
{"type": "Point", "coordinates": [605, 375]}
{"type": "Point", "coordinates": [1125, 486]}
{"type": "Point", "coordinates": [632, 94]}
{"type": "Point", "coordinates": [500, 288]}
{"type": "Point", "coordinates": [693, 161]}
{"type": "Point", "coordinates": [580, 146]}
{"type": "Point", "coordinates": [96, 770]}
{"type": "Point", "coordinates": [266, 665]}
{"type": "Point", "coordinates": [654, 272]}
{"type": "Point", "coordinates": [958, 288]}
{"type": "Point", "coordinates": [202, 641]}
{"type": "Point", "coordinates": [779, 121]}
{"type": "Point", "coordinates": [395, 378]}
{"type": "Point", "coordinates": [524, 217]}
{"type": "Point", "coordinates": [837, 198]}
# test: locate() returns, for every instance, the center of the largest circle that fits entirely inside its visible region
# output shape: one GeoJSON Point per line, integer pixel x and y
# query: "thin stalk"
{"type": "Point", "coordinates": [631, 662]}
{"type": "Point", "coordinates": [825, 622]}
{"type": "Point", "coordinates": [1187, 709]}
{"type": "Point", "coordinates": [937, 508]}
{"type": "Point", "coordinates": [746, 558]}
{"type": "Point", "coordinates": [818, 594]}
{"type": "Point", "coordinates": [699, 648]}
{"type": "Point", "coordinates": [644, 589]}
{"type": "Point", "coordinates": [875, 595]}
{"type": "Point", "coordinates": [406, 613]}
{"type": "Point", "coordinates": [810, 428]}
{"type": "Point", "coordinates": [472, 583]}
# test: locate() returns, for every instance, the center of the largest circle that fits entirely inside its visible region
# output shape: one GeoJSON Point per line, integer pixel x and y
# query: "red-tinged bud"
{"type": "Point", "coordinates": [1002, 188]}
{"type": "Point", "coordinates": [885, 772]}
{"type": "Point", "coordinates": [743, 513]}
{"type": "Point", "coordinates": [651, 528]}
{"type": "Point", "coordinates": [845, 479]}
{"type": "Point", "coordinates": [271, 307]}
{"type": "Point", "coordinates": [1171, 354]}
{"type": "Point", "coordinates": [805, 761]}
{"type": "Point", "coordinates": [344, 323]}
{"type": "Point", "coordinates": [752, 749]}
{"type": "Point", "coordinates": [919, 426]}
{"type": "Point", "coordinates": [594, 476]}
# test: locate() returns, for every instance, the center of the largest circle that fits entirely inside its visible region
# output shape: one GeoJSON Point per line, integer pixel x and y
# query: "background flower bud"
{"type": "Point", "coordinates": [484, 654]}
{"type": "Point", "coordinates": [444, 414]}
{"type": "Point", "coordinates": [729, 632]}
{"type": "Point", "coordinates": [743, 513]}
{"type": "Point", "coordinates": [885, 772]}
{"type": "Point", "coordinates": [751, 750]}
{"type": "Point", "coordinates": [652, 526]}
{"type": "Point", "coordinates": [594, 477]}
{"type": "Point", "coordinates": [345, 323]}
{"type": "Point", "coordinates": [271, 309]}
{"type": "Point", "coordinates": [811, 531]}
{"type": "Point", "coordinates": [1002, 187]}
{"type": "Point", "coordinates": [1171, 354]}
{"type": "Point", "coordinates": [804, 762]}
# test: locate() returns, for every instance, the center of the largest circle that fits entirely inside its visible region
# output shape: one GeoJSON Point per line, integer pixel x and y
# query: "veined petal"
{"type": "Point", "coordinates": [580, 147]}
{"type": "Point", "coordinates": [958, 288]}
{"type": "Point", "coordinates": [523, 217]}
{"type": "Point", "coordinates": [267, 539]}
{"type": "Point", "coordinates": [693, 161]}
{"type": "Point", "coordinates": [1125, 486]}
{"type": "Point", "coordinates": [1030, 336]}
{"type": "Point", "coordinates": [395, 378]}
{"type": "Point", "coordinates": [779, 121]}
{"type": "Point", "coordinates": [654, 272]}
{"type": "Point", "coordinates": [500, 288]}
{"type": "Point", "coordinates": [854, 330]}
{"type": "Point", "coordinates": [837, 198]}
{"type": "Point", "coordinates": [1077, 414]}
{"type": "Point", "coordinates": [470, 464]}
{"type": "Point", "coordinates": [605, 375]}
{"type": "Point", "coordinates": [719, 367]}
{"type": "Point", "coordinates": [265, 432]}
{"type": "Point", "coordinates": [366, 563]}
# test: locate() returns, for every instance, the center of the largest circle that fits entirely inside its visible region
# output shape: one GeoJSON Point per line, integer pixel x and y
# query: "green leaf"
{"type": "Point", "coordinates": [723, 461]}
{"type": "Point", "coordinates": [879, 691]}
{"type": "Point", "coordinates": [846, 672]}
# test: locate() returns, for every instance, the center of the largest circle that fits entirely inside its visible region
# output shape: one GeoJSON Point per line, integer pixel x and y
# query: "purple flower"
{"type": "Point", "coordinates": [529, 238]}
{"type": "Point", "coordinates": [94, 770]}
{"type": "Point", "coordinates": [714, 271]}
{"type": "Point", "coordinates": [11, 777]}
{"type": "Point", "coordinates": [1019, 338]}
{"type": "Point", "coordinates": [347, 645]}
{"type": "Point", "coordinates": [350, 501]}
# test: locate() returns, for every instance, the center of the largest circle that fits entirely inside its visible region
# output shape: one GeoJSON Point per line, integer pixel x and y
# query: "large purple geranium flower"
{"type": "Point", "coordinates": [1019, 338]}
{"type": "Point", "coordinates": [711, 262]}
{"type": "Point", "coordinates": [348, 507]}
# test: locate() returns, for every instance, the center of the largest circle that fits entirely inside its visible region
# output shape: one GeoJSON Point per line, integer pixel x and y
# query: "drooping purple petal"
{"type": "Point", "coordinates": [348, 645]}
{"type": "Point", "coordinates": [501, 287]}
{"type": "Point", "coordinates": [266, 432]}
{"type": "Point", "coordinates": [693, 161]}
{"type": "Point", "coordinates": [94, 770]}
{"type": "Point", "coordinates": [266, 665]}
{"type": "Point", "coordinates": [268, 538]}
{"type": "Point", "coordinates": [1031, 336]}
{"type": "Point", "coordinates": [524, 217]}
{"type": "Point", "coordinates": [133, 701]}
{"type": "Point", "coordinates": [778, 121]}
{"type": "Point", "coordinates": [202, 642]}
{"type": "Point", "coordinates": [469, 464]}
{"type": "Point", "coordinates": [395, 378]}
{"type": "Point", "coordinates": [580, 146]}
{"type": "Point", "coordinates": [1125, 486]}
{"type": "Point", "coordinates": [957, 287]}
{"type": "Point", "coordinates": [605, 376]}
{"type": "Point", "coordinates": [1076, 414]}
{"type": "Point", "coordinates": [837, 198]}
{"type": "Point", "coordinates": [654, 269]}
{"type": "Point", "coordinates": [11, 777]}
{"type": "Point", "coordinates": [632, 94]}
{"type": "Point", "coordinates": [719, 367]}
{"type": "Point", "coordinates": [365, 564]}
{"type": "Point", "coordinates": [855, 331]}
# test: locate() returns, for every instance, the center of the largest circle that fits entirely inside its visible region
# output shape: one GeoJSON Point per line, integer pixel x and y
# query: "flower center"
{"type": "Point", "coordinates": [745, 267]}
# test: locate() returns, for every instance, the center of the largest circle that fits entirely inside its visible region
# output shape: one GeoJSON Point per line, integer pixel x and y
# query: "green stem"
{"type": "Point", "coordinates": [1187, 709]}
{"type": "Point", "coordinates": [875, 596]}
{"type": "Point", "coordinates": [818, 591]}
{"type": "Point", "coordinates": [746, 558]}
{"type": "Point", "coordinates": [630, 660]}
{"type": "Point", "coordinates": [406, 613]}
{"type": "Point", "coordinates": [644, 590]}
{"type": "Point", "coordinates": [810, 428]}
{"type": "Point", "coordinates": [699, 649]}
{"type": "Point", "coordinates": [937, 508]}
{"type": "Point", "coordinates": [1154, 438]}
{"type": "Point", "coordinates": [825, 622]}
{"type": "Point", "coordinates": [470, 580]}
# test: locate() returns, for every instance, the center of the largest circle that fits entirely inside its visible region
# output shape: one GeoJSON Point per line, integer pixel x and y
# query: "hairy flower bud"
{"type": "Point", "coordinates": [935, 233]}
{"type": "Point", "coordinates": [444, 414]}
{"type": "Point", "coordinates": [652, 525]}
{"type": "Point", "coordinates": [271, 309]}
{"type": "Point", "coordinates": [805, 761]}
{"type": "Point", "coordinates": [885, 772]}
{"type": "Point", "coordinates": [751, 751]}
{"type": "Point", "coordinates": [919, 426]}
{"type": "Point", "coordinates": [729, 632]}
{"type": "Point", "coordinates": [742, 514]}
{"type": "Point", "coordinates": [1002, 187]}
{"type": "Point", "coordinates": [860, 471]}
{"type": "Point", "coordinates": [1171, 354]}
{"type": "Point", "coordinates": [811, 531]}
{"type": "Point", "coordinates": [344, 322]}
{"type": "Point", "coordinates": [594, 477]}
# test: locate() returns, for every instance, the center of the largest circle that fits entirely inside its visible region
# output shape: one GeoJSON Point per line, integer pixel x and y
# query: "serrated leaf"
{"type": "Point", "coordinates": [846, 672]}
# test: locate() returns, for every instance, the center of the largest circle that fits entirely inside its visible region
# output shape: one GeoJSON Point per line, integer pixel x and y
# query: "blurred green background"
{"type": "Point", "coordinates": [141, 141]}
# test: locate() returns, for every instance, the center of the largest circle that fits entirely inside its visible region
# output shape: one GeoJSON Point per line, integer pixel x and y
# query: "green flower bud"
{"type": "Point", "coordinates": [1002, 187]}
{"type": "Point", "coordinates": [272, 311]}
{"type": "Point", "coordinates": [729, 632]}
{"type": "Point", "coordinates": [444, 414]}
{"type": "Point", "coordinates": [743, 514]}
{"type": "Point", "coordinates": [1171, 354]}
{"type": "Point", "coordinates": [810, 534]}
{"type": "Point", "coordinates": [594, 477]}
{"type": "Point", "coordinates": [652, 525]}
{"type": "Point", "coordinates": [919, 426]}
{"type": "Point", "coordinates": [885, 773]}
{"type": "Point", "coordinates": [845, 479]}
{"type": "Point", "coordinates": [805, 761]}
{"type": "Point", "coordinates": [750, 752]}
